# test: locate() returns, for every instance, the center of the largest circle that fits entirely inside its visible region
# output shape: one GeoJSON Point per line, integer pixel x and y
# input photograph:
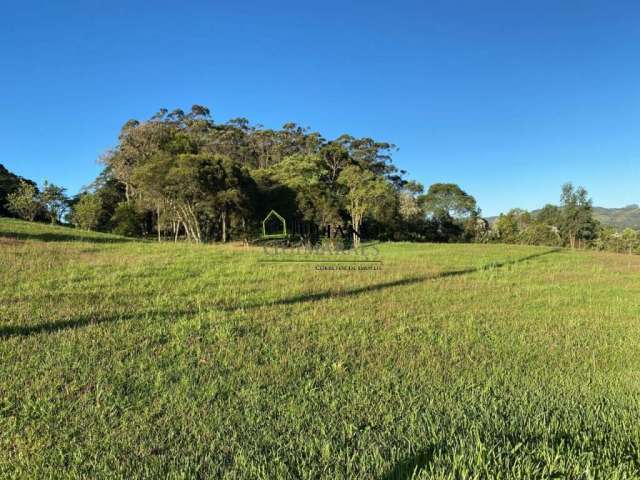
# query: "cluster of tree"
{"type": "Point", "coordinates": [570, 224]}
{"type": "Point", "coordinates": [182, 175]}
{"type": "Point", "coordinates": [609, 239]}
{"type": "Point", "coordinates": [446, 213]}
{"type": "Point", "coordinates": [28, 202]}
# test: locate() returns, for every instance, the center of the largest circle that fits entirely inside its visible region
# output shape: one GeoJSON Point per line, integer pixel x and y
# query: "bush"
{"type": "Point", "coordinates": [126, 221]}
{"type": "Point", "coordinates": [540, 234]}
{"type": "Point", "coordinates": [86, 212]}
{"type": "Point", "coordinates": [25, 202]}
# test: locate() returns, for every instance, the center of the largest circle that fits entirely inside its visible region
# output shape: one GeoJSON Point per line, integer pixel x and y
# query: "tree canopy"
{"type": "Point", "coordinates": [189, 176]}
{"type": "Point", "coordinates": [182, 175]}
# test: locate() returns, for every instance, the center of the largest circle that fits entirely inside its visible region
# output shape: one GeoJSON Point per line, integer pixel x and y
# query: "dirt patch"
{"type": "Point", "coordinates": [10, 242]}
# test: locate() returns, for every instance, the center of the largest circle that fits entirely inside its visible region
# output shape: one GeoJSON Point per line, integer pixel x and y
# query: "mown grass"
{"type": "Point", "coordinates": [123, 359]}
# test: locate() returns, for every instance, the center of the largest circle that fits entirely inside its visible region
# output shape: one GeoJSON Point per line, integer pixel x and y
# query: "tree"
{"type": "Point", "coordinates": [54, 200]}
{"type": "Point", "coordinates": [151, 180]}
{"type": "Point", "coordinates": [364, 192]}
{"type": "Point", "coordinates": [184, 171]}
{"type": "Point", "coordinates": [9, 183]}
{"type": "Point", "coordinates": [538, 233]}
{"type": "Point", "coordinates": [126, 220]}
{"type": "Point", "coordinates": [451, 208]}
{"type": "Point", "coordinates": [86, 211]}
{"type": "Point", "coordinates": [629, 240]}
{"type": "Point", "coordinates": [409, 207]}
{"type": "Point", "coordinates": [24, 202]}
{"type": "Point", "coordinates": [111, 193]}
{"type": "Point", "coordinates": [509, 226]}
{"type": "Point", "coordinates": [449, 200]}
{"type": "Point", "coordinates": [306, 176]}
{"type": "Point", "coordinates": [233, 191]}
{"type": "Point", "coordinates": [204, 188]}
{"type": "Point", "coordinates": [550, 215]}
{"type": "Point", "coordinates": [577, 222]}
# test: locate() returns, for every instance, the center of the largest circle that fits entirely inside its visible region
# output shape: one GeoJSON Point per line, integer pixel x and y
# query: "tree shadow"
{"type": "Point", "coordinates": [7, 331]}
{"type": "Point", "coordinates": [408, 467]}
{"type": "Point", "coordinates": [312, 297]}
{"type": "Point", "coordinates": [62, 237]}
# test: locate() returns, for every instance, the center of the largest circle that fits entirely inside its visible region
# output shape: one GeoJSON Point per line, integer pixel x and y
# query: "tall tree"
{"type": "Point", "coordinates": [451, 208]}
{"type": "Point", "coordinates": [54, 201]}
{"type": "Point", "coordinates": [578, 223]}
{"type": "Point", "coordinates": [150, 179]}
{"type": "Point", "coordinates": [509, 226]}
{"type": "Point", "coordinates": [449, 200]}
{"type": "Point", "coordinates": [185, 170]}
{"type": "Point", "coordinates": [233, 192]}
{"type": "Point", "coordinates": [364, 192]}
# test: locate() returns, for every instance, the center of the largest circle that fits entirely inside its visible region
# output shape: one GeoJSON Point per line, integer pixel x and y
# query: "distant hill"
{"type": "Point", "coordinates": [618, 218]}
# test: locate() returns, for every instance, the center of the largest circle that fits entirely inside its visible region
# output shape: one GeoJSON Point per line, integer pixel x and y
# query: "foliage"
{"type": "Point", "coordinates": [9, 183]}
{"type": "Point", "coordinates": [577, 222]}
{"type": "Point", "coordinates": [538, 233]}
{"type": "Point", "coordinates": [55, 201]}
{"type": "Point", "coordinates": [86, 211]}
{"type": "Point", "coordinates": [127, 220]}
{"type": "Point", "coordinates": [25, 201]}
{"type": "Point", "coordinates": [453, 211]}
{"type": "Point", "coordinates": [215, 181]}
{"type": "Point", "coordinates": [448, 200]}
{"type": "Point", "coordinates": [570, 224]}
{"type": "Point", "coordinates": [509, 226]}
{"type": "Point", "coordinates": [364, 193]}
{"type": "Point", "coordinates": [627, 241]}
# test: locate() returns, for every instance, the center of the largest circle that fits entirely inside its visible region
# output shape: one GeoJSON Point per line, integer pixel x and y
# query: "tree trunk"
{"type": "Point", "coordinates": [158, 224]}
{"type": "Point", "coordinates": [355, 221]}
{"type": "Point", "coordinates": [224, 226]}
{"type": "Point", "coordinates": [224, 230]}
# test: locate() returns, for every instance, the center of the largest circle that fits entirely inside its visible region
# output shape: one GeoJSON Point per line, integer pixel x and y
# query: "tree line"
{"type": "Point", "coordinates": [181, 175]}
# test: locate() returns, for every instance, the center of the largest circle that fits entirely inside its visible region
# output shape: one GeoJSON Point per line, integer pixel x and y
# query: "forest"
{"type": "Point", "coordinates": [182, 176]}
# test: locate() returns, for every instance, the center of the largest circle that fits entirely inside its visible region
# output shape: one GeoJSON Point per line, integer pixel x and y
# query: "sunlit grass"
{"type": "Point", "coordinates": [132, 359]}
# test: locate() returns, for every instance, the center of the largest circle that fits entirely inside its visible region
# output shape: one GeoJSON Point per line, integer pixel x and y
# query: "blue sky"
{"type": "Point", "coordinates": [509, 99]}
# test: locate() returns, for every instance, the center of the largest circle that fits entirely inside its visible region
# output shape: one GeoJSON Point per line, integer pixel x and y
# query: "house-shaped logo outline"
{"type": "Point", "coordinates": [281, 219]}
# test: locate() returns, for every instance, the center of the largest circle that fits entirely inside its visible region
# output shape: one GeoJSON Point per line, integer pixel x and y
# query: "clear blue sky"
{"type": "Point", "coordinates": [507, 98]}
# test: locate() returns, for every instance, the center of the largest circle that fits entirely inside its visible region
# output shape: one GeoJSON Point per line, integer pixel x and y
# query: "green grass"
{"type": "Point", "coordinates": [122, 359]}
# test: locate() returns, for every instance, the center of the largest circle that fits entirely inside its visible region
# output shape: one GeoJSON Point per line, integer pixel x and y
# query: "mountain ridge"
{"type": "Point", "coordinates": [618, 218]}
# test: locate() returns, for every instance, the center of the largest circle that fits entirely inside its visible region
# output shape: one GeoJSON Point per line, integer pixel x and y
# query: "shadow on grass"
{"type": "Point", "coordinates": [7, 331]}
{"type": "Point", "coordinates": [62, 237]}
{"type": "Point", "coordinates": [409, 466]}
{"type": "Point", "coordinates": [87, 320]}
{"type": "Point", "coordinates": [311, 297]}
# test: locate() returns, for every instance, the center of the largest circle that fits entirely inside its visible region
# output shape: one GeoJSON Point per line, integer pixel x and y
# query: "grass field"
{"type": "Point", "coordinates": [123, 359]}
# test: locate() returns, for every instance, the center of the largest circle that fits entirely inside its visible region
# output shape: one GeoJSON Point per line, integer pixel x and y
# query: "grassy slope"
{"type": "Point", "coordinates": [129, 359]}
